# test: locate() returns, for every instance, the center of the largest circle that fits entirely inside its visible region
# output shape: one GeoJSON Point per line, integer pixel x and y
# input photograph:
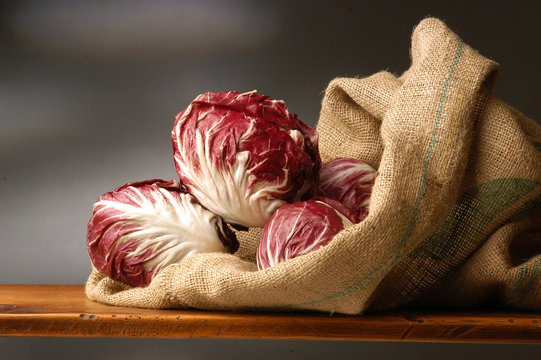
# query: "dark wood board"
{"type": "Point", "coordinates": [64, 311]}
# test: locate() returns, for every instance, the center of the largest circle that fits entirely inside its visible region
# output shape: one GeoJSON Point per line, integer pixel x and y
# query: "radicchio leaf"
{"type": "Point", "coordinates": [244, 155]}
{"type": "Point", "coordinates": [300, 228]}
{"type": "Point", "coordinates": [142, 227]}
{"type": "Point", "coordinates": [348, 181]}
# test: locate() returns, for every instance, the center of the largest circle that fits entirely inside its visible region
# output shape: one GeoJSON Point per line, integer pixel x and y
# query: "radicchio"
{"type": "Point", "coordinates": [348, 181]}
{"type": "Point", "coordinates": [299, 228]}
{"type": "Point", "coordinates": [244, 155]}
{"type": "Point", "coordinates": [142, 227]}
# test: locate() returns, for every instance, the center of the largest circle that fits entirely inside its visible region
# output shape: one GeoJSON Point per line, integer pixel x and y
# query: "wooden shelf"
{"type": "Point", "coordinates": [64, 311]}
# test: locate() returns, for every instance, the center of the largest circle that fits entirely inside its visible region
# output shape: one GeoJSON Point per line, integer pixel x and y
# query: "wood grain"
{"type": "Point", "coordinates": [64, 311]}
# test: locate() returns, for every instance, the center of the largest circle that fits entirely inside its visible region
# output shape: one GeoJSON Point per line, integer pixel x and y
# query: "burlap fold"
{"type": "Point", "coordinates": [458, 173]}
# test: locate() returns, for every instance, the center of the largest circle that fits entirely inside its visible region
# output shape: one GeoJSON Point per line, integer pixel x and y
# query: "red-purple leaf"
{"type": "Point", "coordinates": [244, 155]}
{"type": "Point", "coordinates": [300, 228]}
{"type": "Point", "coordinates": [142, 227]}
{"type": "Point", "coordinates": [348, 181]}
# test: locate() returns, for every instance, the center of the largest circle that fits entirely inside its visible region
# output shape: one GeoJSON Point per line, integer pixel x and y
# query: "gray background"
{"type": "Point", "coordinates": [88, 92]}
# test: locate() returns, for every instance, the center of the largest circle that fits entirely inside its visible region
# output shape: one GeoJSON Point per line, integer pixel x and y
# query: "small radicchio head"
{"type": "Point", "coordinates": [300, 228]}
{"type": "Point", "coordinates": [244, 155]}
{"type": "Point", "coordinates": [142, 227]}
{"type": "Point", "coordinates": [348, 181]}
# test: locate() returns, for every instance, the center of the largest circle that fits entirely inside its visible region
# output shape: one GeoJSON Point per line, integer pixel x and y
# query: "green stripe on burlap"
{"type": "Point", "coordinates": [522, 272]}
{"type": "Point", "coordinates": [471, 215]}
{"type": "Point", "coordinates": [392, 259]}
{"type": "Point", "coordinates": [533, 274]}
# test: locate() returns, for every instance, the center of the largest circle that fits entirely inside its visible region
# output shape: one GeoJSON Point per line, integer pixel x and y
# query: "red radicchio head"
{"type": "Point", "coordinates": [244, 155]}
{"type": "Point", "coordinates": [348, 181]}
{"type": "Point", "coordinates": [142, 227]}
{"type": "Point", "coordinates": [299, 228]}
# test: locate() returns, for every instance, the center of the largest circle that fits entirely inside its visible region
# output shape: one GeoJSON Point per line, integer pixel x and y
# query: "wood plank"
{"type": "Point", "coordinates": [64, 311]}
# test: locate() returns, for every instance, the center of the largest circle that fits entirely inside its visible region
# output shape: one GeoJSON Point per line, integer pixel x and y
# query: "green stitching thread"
{"type": "Point", "coordinates": [484, 203]}
{"type": "Point", "coordinates": [376, 273]}
{"type": "Point", "coordinates": [522, 271]}
{"type": "Point", "coordinates": [529, 285]}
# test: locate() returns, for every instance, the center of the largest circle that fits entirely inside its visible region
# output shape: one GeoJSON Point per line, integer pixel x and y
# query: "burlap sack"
{"type": "Point", "coordinates": [458, 170]}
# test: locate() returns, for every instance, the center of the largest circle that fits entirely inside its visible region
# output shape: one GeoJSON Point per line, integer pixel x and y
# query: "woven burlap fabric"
{"type": "Point", "coordinates": [494, 274]}
{"type": "Point", "coordinates": [455, 165]}
{"type": "Point", "coordinates": [468, 256]}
